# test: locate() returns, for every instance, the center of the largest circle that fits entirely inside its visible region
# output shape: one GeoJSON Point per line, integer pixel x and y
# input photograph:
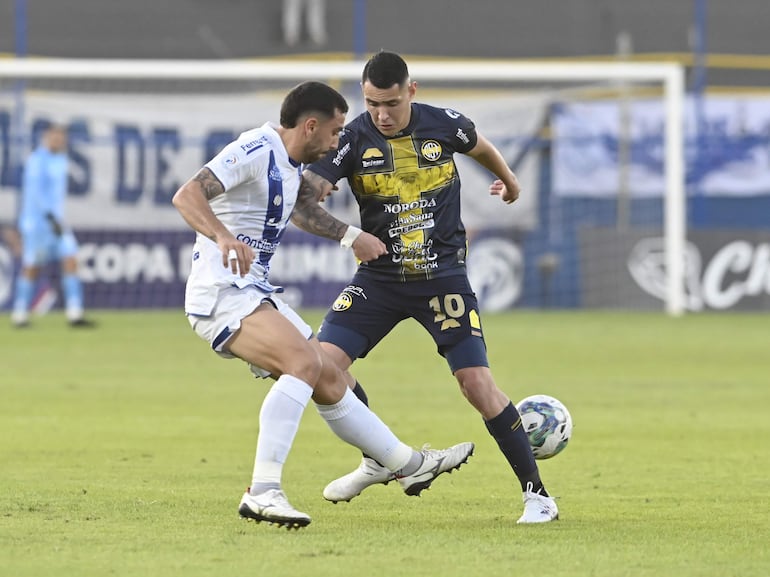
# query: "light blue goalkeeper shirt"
{"type": "Point", "coordinates": [44, 189]}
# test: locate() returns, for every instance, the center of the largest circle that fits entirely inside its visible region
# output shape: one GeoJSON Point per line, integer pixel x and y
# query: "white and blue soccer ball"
{"type": "Point", "coordinates": [547, 423]}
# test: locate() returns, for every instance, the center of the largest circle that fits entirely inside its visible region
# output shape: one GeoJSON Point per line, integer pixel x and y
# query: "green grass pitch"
{"type": "Point", "coordinates": [124, 451]}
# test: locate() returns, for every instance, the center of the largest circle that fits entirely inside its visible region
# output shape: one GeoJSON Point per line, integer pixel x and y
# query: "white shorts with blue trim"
{"type": "Point", "coordinates": [232, 306]}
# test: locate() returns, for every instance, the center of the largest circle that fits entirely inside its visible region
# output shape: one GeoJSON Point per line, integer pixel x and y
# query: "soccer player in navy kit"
{"type": "Point", "coordinates": [239, 204]}
{"type": "Point", "coordinates": [398, 160]}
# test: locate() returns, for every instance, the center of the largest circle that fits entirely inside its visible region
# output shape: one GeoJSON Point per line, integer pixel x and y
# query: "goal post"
{"type": "Point", "coordinates": [27, 73]}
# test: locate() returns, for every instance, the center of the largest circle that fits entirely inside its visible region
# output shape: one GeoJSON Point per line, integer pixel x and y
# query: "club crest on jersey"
{"type": "Point", "coordinates": [431, 150]}
{"type": "Point", "coordinates": [345, 300]}
{"type": "Point", "coordinates": [277, 200]}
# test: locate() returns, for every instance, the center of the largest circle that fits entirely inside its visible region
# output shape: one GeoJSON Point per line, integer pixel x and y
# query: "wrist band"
{"type": "Point", "coordinates": [351, 234]}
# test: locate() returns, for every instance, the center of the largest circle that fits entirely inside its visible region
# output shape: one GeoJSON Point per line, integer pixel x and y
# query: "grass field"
{"type": "Point", "coordinates": [124, 451]}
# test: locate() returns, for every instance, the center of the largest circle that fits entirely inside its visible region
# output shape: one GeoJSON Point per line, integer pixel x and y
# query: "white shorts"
{"type": "Point", "coordinates": [232, 306]}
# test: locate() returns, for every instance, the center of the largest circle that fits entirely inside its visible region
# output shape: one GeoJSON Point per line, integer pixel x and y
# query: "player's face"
{"type": "Point", "coordinates": [389, 108]}
{"type": "Point", "coordinates": [323, 137]}
{"type": "Point", "coordinates": [56, 140]}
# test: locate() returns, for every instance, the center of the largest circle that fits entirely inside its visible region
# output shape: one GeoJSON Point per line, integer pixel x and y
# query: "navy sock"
{"type": "Point", "coordinates": [359, 392]}
{"type": "Point", "coordinates": [507, 431]}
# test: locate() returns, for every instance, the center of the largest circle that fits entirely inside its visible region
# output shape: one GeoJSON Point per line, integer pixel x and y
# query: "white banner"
{"type": "Point", "coordinates": [727, 147]}
{"type": "Point", "coordinates": [129, 153]}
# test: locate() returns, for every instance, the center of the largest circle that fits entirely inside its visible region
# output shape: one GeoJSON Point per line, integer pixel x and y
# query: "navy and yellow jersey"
{"type": "Point", "coordinates": [408, 190]}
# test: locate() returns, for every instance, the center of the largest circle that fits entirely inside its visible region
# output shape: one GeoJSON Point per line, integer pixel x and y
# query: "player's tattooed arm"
{"type": "Point", "coordinates": [308, 213]}
{"type": "Point", "coordinates": [192, 202]}
{"type": "Point", "coordinates": [210, 185]}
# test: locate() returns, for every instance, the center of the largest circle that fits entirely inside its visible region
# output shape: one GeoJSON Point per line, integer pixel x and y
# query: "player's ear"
{"type": "Point", "coordinates": [310, 124]}
{"type": "Point", "coordinates": [412, 89]}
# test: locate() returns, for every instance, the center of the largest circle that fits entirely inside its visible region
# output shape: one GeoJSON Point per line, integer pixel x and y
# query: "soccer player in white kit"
{"type": "Point", "coordinates": [239, 204]}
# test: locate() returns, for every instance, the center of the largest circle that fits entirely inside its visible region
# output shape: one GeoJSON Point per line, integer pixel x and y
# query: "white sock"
{"type": "Point", "coordinates": [355, 423]}
{"type": "Point", "coordinates": [279, 420]}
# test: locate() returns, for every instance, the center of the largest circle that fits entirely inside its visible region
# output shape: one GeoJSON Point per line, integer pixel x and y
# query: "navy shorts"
{"type": "Point", "coordinates": [366, 310]}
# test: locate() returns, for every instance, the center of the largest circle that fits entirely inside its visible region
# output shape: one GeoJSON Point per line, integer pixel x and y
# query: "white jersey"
{"type": "Point", "coordinates": [261, 185]}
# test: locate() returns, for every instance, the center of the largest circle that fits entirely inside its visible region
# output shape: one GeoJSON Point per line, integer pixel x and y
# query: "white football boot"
{"type": "Point", "coordinates": [538, 508]}
{"type": "Point", "coordinates": [272, 506]}
{"type": "Point", "coordinates": [369, 472]}
{"type": "Point", "coordinates": [434, 463]}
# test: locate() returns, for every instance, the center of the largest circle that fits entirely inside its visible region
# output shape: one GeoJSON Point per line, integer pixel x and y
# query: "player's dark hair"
{"type": "Point", "coordinates": [311, 98]}
{"type": "Point", "coordinates": [385, 69]}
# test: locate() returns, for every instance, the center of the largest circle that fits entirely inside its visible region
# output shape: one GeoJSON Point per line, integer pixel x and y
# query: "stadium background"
{"type": "Point", "coordinates": [728, 222]}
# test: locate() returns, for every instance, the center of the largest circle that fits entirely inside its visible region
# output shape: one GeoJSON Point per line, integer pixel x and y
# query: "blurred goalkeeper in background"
{"type": "Point", "coordinates": [398, 159]}
{"type": "Point", "coordinates": [239, 204]}
{"type": "Point", "coordinates": [44, 236]}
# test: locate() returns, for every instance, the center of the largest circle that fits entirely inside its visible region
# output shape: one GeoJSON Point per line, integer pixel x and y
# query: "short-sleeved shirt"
{"type": "Point", "coordinates": [408, 190]}
{"type": "Point", "coordinates": [261, 184]}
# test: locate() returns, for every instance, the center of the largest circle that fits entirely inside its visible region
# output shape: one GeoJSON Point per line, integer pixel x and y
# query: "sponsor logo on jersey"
{"type": "Point", "coordinates": [419, 257]}
{"type": "Point", "coordinates": [406, 229]}
{"type": "Point", "coordinates": [260, 244]}
{"type": "Point", "coordinates": [372, 157]}
{"type": "Point", "coordinates": [341, 154]}
{"type": "Point", "coordinates": [275, 174]}
{"type": "Point", "coordinates": [277, 200]}
{"type": "Point", "coordinates": [431, 150]}
{"type": "Point", "coordinates": [421, 204]}
{"type": "Point", "coordinates": [419, 253]}
{"type": "Point", "coordinates": [254, 145]}
{"type": "Point", "coordinates": [462, 136]}
{"type": "Point", "coordinates": [372, 153]}
{"type": "Point", "coordinates": [453, 114]}
{"type": "Point", "coordinates": [231, 159]}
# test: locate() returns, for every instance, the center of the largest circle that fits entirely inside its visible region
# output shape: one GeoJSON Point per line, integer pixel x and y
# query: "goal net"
{"type": "Point", "coordinates": [591, 228]}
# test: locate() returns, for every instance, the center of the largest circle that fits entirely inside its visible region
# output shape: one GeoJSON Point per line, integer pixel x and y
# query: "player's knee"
{"type": "Point", "coordinates": [331, 386]}
{"type": "Point", "coordinates": [306, 366]}
{"type": "Point", "coordinates": [30, 272]}
{"type": "Point", "coordinates": [476, 383]}
{"type": "Point", "coordinates": [70, 265]}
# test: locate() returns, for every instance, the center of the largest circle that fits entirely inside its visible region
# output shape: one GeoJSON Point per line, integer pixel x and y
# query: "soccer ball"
{"type": "Point", "coordinates": [547, 423]}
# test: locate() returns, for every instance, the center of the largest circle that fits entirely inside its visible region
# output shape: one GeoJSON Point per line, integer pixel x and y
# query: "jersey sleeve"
{"type": "Point", "coordinates": [233, 165]}
{"type": "Point", "coordinates": [36, 198]}
{"type": "Point", "coordinates": [463, 131]}
{"type": "Point", "coordinates": [338, 163]}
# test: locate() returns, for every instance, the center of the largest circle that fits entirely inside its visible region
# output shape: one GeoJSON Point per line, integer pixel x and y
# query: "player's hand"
{"type": "Point", "coordinates": [368, 247]}
{"type": "Point", "coordinates": [55, 224]}
{"type": "Point", "coordinates": [508, 193]}
{"type": "Point", "coordinates": [326, 192]}
{"type": "Point", "coordinates": [236, 256]}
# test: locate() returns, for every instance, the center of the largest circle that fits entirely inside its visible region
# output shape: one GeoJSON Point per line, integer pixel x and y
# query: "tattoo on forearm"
{"type": "Point", "coordinates": [209, 183]}
{"type": "Point", "coordinates": [311, 217]}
